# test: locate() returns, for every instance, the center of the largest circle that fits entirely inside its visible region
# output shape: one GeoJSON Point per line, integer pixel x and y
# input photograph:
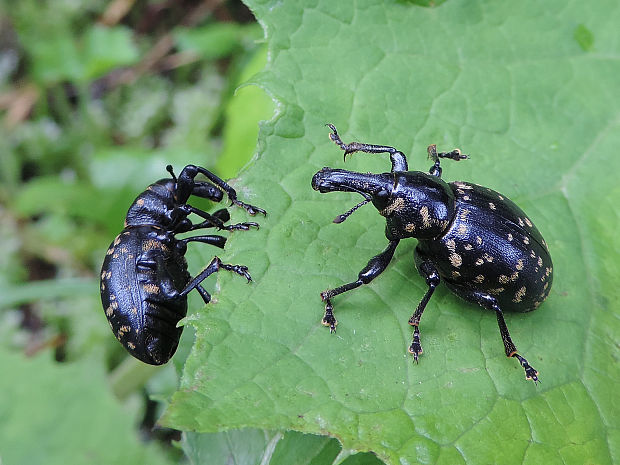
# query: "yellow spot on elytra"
{"type": "Point", "coordinates": [131, 345]}
{"type": "Point", "coordinates": [514, 276]}
{"type": "Point", "coordinates": [478, 240]}
{"type": "Point", "coordinates": [521, 223]}
{"type": "Point", "coordinates": [503, 278]}
{"type": "Point", "coordinates": [491, 205]}
{"type": "Point", "coordinates": [519, 265]}
{"type": "Point", "coordinates": [496, 291]}
{"type": "Point", "coordinates": [456, 260]}
{"type": "Point", "coordinates": [140, 202]}
{"type": "Point", "coordinates": [479, 278]}
{"type": "Point", "coordinates": [463, 215]}
{"type": "Point", "coordinates": [117, 240]}
{"type": "Point", "coordinates": [462, 185]}
{"type": "Point", "coordinates": [410, 227]}
{"type": "Point", "coordinates": [528, 222]}
{"type": "Point", "coordinates": [152, 244]}
{"type": "Point", "coordinates": [462, 229]}
{"type": "Point", "coordinates": [540, 261]}
{"type": "Point", "coordinates": [122, 330]}
{"type": "Point", "coordinates": [451, 245]}
{"type": "Point", "coordinates": [488, 258]}
{"type": "Point", "coordinates": [110, 251]}
{"type": "Point", "coordinates": [109, 311]}
{"type": "Point", "coordinates": [509, 236]}
{"type": "Point", "coordinates": [396, 205]}
{"type": "Point", "coordinates": [426, 218]}
{"type": "Point", "coordinates": [151, 288]}
{"type": "Point", "coordinates": [519, 295]}
{"type": "Point", "coordinates": [479, 262]}
{"type": "Point", "coordinates": [526, 240]}
{"type": "Point", "coordinates": [455, 274]}
{"type": "Point", "coordinates": [468, 247]}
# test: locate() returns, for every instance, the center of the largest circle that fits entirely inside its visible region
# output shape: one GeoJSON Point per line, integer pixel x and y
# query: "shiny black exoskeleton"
{"type": "Point", "coordinates": [144, 277]}
{"type": "Point", "coordinates": [479, 243]}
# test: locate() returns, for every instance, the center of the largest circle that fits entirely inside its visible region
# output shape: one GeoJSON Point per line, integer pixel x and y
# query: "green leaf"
{"type": "Point", "coordinates": [244, 447]}
{"type": "Point", "coordinates": [54, 59]}
{"type": "Point", "coordinates": [251, 446]}
{"type": "Point", "coordinates": [45, 290]}
{"type": "Point", "coordinates": [106, 48]}
{"type": "Point", "coordinates": [508, 84]}
{"type": "Point", "coordinates": [249, 105]}
{"type": "Point", "coordinates": [60, 57]}
{"type": "Point", "coordinates": [215, 40]}
{"type": "Point", "coordinates": [83, 425]}
{"type": "Point", "coordinates": [584, 37]}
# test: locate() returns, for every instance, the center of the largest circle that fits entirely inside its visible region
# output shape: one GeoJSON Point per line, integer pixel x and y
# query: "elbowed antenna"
{"type": "Point", "coordinates": [344, 216]}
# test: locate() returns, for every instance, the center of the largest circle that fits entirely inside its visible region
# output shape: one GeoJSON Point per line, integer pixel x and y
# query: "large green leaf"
{"type": "Point", "coordinates": [529, 90]}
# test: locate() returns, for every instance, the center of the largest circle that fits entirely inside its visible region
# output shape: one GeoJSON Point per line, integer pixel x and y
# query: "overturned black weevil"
{"type": "Point", "coordinates": [479, 243]}
{"type": "Point", "coordinates": [144, 277]}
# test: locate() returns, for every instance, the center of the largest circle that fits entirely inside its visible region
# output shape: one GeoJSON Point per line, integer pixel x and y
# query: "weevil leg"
{"type": "Point", "coordinates": [206, 190]}
{"type": "Point", "coordinates": [431, 275]}
{"type": "Point", "coordinates": [455, 154]}
{"type": "Point", "coordinates": [490, 303]}
{"type": "Point", "coordinates": [217, 241]}
{"type": "Point", "coordinates": [168, 293]}
{"type": "Point", "coordinates": [398, 159]}
{"type": "Point", "coordinates": [376, 265]}
{"type": "Point", "coordinates": [222, 214]}
{"type": "Point", "coordinates": [232, 194]}
{"type": "Point", "coordinates": [213, 267]}
{"type": "Point", "coordinates": [215, 221]}
{"type": "Point", "coordinates": [203, 293]}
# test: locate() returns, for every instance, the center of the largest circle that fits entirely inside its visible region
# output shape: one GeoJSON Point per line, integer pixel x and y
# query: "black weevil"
{"type": "Point", "coordinates": [479, 243]}
{"type": "Point", "coordinates": [144, 277]}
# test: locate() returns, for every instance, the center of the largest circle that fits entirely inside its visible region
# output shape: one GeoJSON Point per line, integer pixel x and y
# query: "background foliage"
{"type": "Point", "coordinates": [97, 99]}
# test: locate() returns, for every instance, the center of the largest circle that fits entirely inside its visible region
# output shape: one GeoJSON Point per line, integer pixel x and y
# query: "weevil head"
{"type": "Point", "coordinates": [415, 204]}
{"type": "Point", "coordinates": [375, 188]}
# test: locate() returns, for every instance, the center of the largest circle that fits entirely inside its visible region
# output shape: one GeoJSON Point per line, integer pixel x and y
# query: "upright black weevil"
{"type": "Point", "coordinates": [478, 242]}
